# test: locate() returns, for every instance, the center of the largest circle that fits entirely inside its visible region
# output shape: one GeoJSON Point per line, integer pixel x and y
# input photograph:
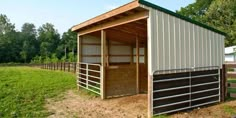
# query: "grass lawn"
{"type": "Point", "coordinates": [24, 90]}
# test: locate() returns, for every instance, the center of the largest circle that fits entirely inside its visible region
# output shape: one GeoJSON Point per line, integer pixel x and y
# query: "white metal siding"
{"type": "Point", "coordinates": [120, 49]}
{"type": "Point", "coordinates": [91, 49]}
{"type": "Point", "coordinates": [174, 43]}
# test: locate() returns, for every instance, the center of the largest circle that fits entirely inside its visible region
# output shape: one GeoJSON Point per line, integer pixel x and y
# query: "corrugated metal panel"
{"type": "Point", "coordinates": [177, 44]}
{"type": "Point", "coordinates": [91, 49]}
{"type": "Point", "coordinates": [119, 50]}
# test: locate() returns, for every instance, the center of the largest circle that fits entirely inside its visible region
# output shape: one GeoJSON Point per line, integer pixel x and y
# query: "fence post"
{"type": "Point", "coordinates": [74, 67]}
{"type": "Point", "coordinates": [69, 67]}
{"type": "Point", "coordinates": [87, 76]}
{"type": "Point", "coordinates": [224, 82]}
{"type": "Point", "coordinates": [64, 64]}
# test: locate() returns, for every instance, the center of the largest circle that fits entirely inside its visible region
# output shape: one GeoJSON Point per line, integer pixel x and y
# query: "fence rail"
{"type": "Point", "coordinates": [63, 66]}
{"type": "Point", "coordinates": [89, 77]}
{"type": "Point", "coordinates": [191, 88]}
{"type": "Point", "coordinates": [231, 79]}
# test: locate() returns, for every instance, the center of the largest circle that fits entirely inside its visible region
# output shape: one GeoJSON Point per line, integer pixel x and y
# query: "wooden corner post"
{"type": "Point", "coordinates": [78, 57]}
{"type": "Point", "coordinates": [103, 64]}
{"type": "Point", "coordinates": [137, 65]}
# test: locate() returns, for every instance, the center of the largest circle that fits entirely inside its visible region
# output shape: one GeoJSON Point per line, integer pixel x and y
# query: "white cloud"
{"type": "Point", "coordinates": [110, 7]}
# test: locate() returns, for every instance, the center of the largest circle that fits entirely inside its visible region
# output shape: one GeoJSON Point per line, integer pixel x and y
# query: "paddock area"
{"type": "Point", "coordinates": [134, 49]}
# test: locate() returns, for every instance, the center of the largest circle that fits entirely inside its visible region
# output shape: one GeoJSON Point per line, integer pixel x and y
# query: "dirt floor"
{"type": "Point", "coordinates": [223, 110]}
{"type": "Point", "coordinates": [83, 105]}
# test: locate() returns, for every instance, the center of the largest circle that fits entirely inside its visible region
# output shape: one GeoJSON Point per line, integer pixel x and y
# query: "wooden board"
{"type": "Point", "coordinates": [120, 80]}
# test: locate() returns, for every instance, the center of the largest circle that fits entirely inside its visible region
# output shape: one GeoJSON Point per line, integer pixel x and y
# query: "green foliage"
{"type": "Point", "coordinates": [30, 44]}
{"type": "Point", "coordinates": [24, 90]}
{"type": "Point", "coordinates": [63, 59]}
{"type": "Point", "coordinates": [49, 39]}
{"type": "Point", "coordinates": [220, 14]}
{"type": "Point", "coordinates": [47, 60]}
{"type": "Point", "coordinates": [37, 60]}
{"type": "Point", "coordinates": [54, 58]}
{"type": "Point", "coordinates": [9, 41]}
{"type": "Point", "coordinates": [24, 46]}
{"type": "Point", "coordinates": [71, 57]}
{"type": "Point", "coordinates": [196, 10]}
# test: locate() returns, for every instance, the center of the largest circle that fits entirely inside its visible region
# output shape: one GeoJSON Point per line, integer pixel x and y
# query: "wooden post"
{"type": "Point", "coordinates": [107, 46]}
{"type": "Point", "coordinates": [103, 64]}
{"type": "Point", "coordinates": [224, 83]}
{"type": "Point", "coordinates": [137, 65]}
{"type": "Point", "coordinates": [145, 55]}
{"type": "Point", "coordinates": [61, 66]}
{"type": "Point", "coordinates": [74, 67]}
{"type": "Point", "coordinates": [69, 67]}
{"type": "Point", "coordinates": [79, 56]}
{"type": "Point", "coordinates": [150, 96]}
{"type": "Point", "coordinates": [64, 66]}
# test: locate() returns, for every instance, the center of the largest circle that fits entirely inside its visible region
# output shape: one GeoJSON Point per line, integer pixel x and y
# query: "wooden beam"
{"type": "Point", "coordinates": [132, 31]}
{"type": "Point", "coordinates": [107, 53]}
{"type": "Point", "coordinates": [145, 54]}
{"type": "Point", "coordinates": [125, 35]}
{"type": "Point", "coordinates": [103, 64]}
{"type": "Point", "coordinates": [127, 19]}
{"type": "Point", "coordinates": [79, 41]}
{"type": "Point", "coordinates": [137, 65]}
{"type": "Point", "coordinates": [107, 15]}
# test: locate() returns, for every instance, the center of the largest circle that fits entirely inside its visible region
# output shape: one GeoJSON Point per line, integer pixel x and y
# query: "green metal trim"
{"type": "Point", "coordinates": [180, 16]}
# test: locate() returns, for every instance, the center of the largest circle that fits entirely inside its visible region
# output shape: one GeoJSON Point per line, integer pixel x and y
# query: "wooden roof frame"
{"type": "Point", "coordinates": [99, 23]}
{"type": "Point", "coordinates": [132, 5]}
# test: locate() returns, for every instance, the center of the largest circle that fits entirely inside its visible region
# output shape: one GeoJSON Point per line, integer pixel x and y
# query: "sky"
{"type": "Point", "coordinates": [64, 14]}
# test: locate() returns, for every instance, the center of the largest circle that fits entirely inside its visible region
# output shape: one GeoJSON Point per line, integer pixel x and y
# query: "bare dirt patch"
{"type": "Point", "coordinates": [223, 110]}
{"type": "Point", "coordinates": [81, 105]}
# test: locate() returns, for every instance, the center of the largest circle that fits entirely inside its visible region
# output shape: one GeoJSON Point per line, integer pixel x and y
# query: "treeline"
{"type": "Point", "coordinates": [40, 45]}
{"type": "Point", "coordinates": [220, 14]}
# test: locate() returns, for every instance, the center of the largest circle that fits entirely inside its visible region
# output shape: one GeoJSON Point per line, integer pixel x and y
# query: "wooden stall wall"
{"type": "Point", "coordinates": [121, 80]}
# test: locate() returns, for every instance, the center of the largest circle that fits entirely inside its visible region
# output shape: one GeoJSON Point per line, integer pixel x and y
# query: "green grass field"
{"type": "Point", "coordinates": [24, 90]}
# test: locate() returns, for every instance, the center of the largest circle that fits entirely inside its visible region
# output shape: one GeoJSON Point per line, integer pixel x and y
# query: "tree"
{"type": "Point", "coordinates": [196, 10]}
{"type": "Point", "coordinates": [222, 15]}
{"type": "Point", "coordinates": [49, 39]}
{"type": "Point", "coordinates": [10, 43]}
{"type": "Point", "coordinates": [30, 44]}
{"type": "Point", "coordinates": [69, 42]}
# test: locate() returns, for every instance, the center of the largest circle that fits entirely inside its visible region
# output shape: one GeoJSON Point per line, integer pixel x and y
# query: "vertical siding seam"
{"type": "Point", "coordinates": [158, 48]}
{"type": "Point", "coordinates": [175, 59]}
{"type": "Point", "coordinates": [184, 40]}
{"type": "Point", "coordinates": [194, 55]}
{"type": "Point", "coordinates": [163, 38]}
{"type": "Point", "coordinates": [180, 51]}
{"type": "Point", "coordinates": [168, 26]}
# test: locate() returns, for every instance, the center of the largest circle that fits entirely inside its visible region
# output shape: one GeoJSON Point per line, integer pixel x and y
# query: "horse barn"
{"type": "Point", "coordinates": [143, 48]}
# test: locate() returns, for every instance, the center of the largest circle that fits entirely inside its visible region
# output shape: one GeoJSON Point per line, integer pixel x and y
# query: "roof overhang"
{"type": "Point", "coordinates": [128, 13]}
{"type": "Point", "coordinates": [122, 15]}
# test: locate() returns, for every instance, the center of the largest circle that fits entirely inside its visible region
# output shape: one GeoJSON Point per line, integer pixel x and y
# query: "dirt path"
{"type": "Point", "coordinates": [84, 106]}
